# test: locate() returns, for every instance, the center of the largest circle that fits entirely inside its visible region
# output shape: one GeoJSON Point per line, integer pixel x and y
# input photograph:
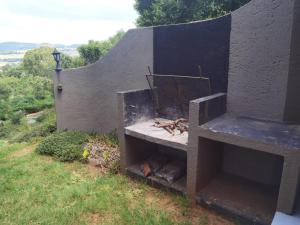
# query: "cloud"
{"type": "Point", "coordinates": [57, 21]}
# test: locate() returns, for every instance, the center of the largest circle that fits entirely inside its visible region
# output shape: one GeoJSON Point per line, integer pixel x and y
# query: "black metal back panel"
{"type": "Point", "coordinates": [173, 94]}
{"type": "Point", "coordinates": [180, 49]}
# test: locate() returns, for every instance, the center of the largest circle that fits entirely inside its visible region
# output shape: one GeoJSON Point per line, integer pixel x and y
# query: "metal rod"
{"type": "Point", "coordinates": [152, 92]}
{"type": "Point", "coordinates": [206, 78]}
{"type": "Point", "coordinates": [147, 77]}
{"type": "Point", "coordinates": [158, 75]}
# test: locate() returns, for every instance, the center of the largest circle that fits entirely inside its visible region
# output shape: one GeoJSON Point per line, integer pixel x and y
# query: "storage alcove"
{"type": "Point", "coordinates": [243, 183]}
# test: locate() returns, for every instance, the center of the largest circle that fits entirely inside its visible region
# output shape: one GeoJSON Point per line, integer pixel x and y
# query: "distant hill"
{"type": "Point", "coordinates": [16, 46]}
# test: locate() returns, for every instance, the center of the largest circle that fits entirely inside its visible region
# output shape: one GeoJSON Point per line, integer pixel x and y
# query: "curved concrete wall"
{"type": "Point", "coordinates": [259, 59]}
{"type": "Point", "coordinates": [88, 100]}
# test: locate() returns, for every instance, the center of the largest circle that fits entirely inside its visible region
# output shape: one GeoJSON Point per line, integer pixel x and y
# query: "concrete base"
{"type": "Point", "coordinates": [208, 138]}
{"type": "Point", "coordinates": [240, 199]}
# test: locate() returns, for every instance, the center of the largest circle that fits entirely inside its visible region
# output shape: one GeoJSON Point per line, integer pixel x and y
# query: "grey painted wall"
{"type": "Point", "coordinates": [292, 113]}
{"type": "Point", "coordinates": [88, 101]}
{"type": "Point", "coordinates": [263, 82]}
{"type": "Point", "coordinates": [259, 59]}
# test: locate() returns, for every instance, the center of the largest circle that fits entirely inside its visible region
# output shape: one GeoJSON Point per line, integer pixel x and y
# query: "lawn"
{"type": "Point", "coordinates": [36, 189]}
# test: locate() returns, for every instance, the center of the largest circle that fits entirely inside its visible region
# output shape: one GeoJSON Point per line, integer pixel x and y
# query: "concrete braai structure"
{"type": "Point", "coordinates": [241, 154]}
{"type": "Point", "coordinates": [252, 148]}
{"type": "Point", "coordinates": [243, 150]}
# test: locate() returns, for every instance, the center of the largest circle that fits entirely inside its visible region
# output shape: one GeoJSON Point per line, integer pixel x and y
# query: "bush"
{"type": "Point", "coordinates": [65, 146]}
{"type": "Point", "coordinates": [41, 130]}
{"type": "Point", "coordinates": [69, 153]}
{"type": "Point", "coordinates": [16, 117]}
{"type": "Point", "coordinates": [5, 130]}
{"type": "Point", "coordinates": [46, 124]}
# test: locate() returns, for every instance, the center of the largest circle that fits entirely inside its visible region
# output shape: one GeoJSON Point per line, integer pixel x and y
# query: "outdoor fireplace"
{"type": "Point", "coordinates": [241, 166]}
{"type": "Point", "coordinates": [242, 149]}
{"type": "Point", "coordinates": [153, 129]}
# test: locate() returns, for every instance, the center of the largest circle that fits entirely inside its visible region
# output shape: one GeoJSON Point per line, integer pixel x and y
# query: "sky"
{"type": "Point", "coordinates": [64, 21]}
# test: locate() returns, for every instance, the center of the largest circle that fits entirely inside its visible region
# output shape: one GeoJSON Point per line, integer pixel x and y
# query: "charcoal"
{"type": "Point", "coordinates": [172, 171]}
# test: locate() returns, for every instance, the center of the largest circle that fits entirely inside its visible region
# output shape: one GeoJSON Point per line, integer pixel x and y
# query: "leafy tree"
{"type": "Point", "coordinates": [39, 62]}
{"type": "Point", "coordinates": [71, 62]}
{"type": "Point", "coordinates": [160, 12]}
{"type": "Point", "coordinates": [94, 50]}
{"type": "Point", "coordinates": [12, 70]}
{"type": "Point", "coordinates": [27, 94]}
{"type": "Point", "coordinates": [90, 52]}
{"type": "Point", "coordinates": [5, 90]}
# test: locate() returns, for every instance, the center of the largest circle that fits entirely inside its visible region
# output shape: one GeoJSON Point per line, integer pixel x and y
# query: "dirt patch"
{"type": "Point", "coordinates": [22, 152]}
{"type": "Point", "coordinates": [99, 218]}
{"type": "Point", "coordinates": [94, 218]}
{"type": "Point", "coordinates": [182, 211]}
{"type": "Point", "coordinates": [162, 201]}
{"type": "Point", "coordinates": [84, 169]}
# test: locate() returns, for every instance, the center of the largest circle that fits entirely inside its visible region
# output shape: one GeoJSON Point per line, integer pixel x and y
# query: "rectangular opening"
{"type": "Point", "coordinates": [167, 165]}
{"type": "Point", "coordinates": [240, 182]}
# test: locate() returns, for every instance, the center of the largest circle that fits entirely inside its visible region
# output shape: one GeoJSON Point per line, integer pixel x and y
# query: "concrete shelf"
{"type": "Point", "coordinates": [276, 138]}
{"type": "Point", "coordinates": [146, 131]}
{"type": "Point", "coordinates": [178, 186]}
{"type": "Point", "coordinates": [240, 198]}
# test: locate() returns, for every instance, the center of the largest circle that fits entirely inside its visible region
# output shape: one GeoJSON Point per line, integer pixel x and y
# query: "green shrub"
{"type": "Point", "coordinates": [42, 117]}
{"type": "Point", "coordinates": [65, 146]}
{"type": "Point", "coordinates": [4, 110]}
{"type": "Point", "coordinates": [46, 124]}
{"type": "Point", "coordinates": [5, 130]}
{"type": "Point", "coordinates": [16, 117]}
{"type": "Point", "coordinates": [40, 130]}
{"type": "Point", "coordinates": [49, 145]}
{"type": "Point", "coordinates": [69, 153]}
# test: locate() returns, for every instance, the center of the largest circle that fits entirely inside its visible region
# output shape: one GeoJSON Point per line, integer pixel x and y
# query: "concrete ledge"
{"type": "Point", "coordinates": [265, 136]}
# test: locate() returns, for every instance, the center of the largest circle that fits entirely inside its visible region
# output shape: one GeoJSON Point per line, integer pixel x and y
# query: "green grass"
{"type": "Point", "coordinates": [204, 220]}
{"type": "Point", "coordinates": [36, 189]}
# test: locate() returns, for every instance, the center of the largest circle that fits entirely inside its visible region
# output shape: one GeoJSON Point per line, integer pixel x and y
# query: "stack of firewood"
{"type": "Point", "coordinates": [172, 125]}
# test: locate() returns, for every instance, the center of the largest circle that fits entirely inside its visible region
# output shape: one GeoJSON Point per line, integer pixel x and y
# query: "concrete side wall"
{"type": "Point", "coordinates": [88, 101]}
{"type": "Point", "coordinates": [292, 113]}
{"type": "Point", "coordinates": [259, 59]}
